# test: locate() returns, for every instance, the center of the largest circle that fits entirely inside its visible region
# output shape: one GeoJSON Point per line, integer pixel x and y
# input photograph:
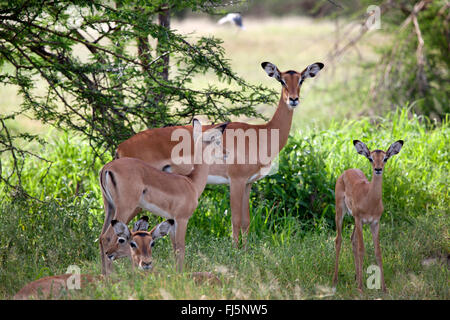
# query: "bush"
{"type": "Point", "coordinates": [40, 239]}
{"type": "Point", "coordinates": [72, 169]}
{"type": "Point", "coordinates": [414, 66]}
{"type": "Point", "coordinates": [302, 191]}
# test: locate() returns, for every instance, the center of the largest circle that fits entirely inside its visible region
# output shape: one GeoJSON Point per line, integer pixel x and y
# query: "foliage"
{"type": "Point", "coordinates": [414, 181]}
{"type": "Point", "coordinates": [102, 70]}
{"type": "Point", "coordinates": [414, 67]}
{"type": "Point", "coordinates": [303, 186]}
{"type": "Point", "coordinates": [300, 268]}
{"type": "Point", "coordinates": [291, 246]}
{"type": "Point", "coordinates": [17, 156]}
{"type": "Point", "coordinates": [37, 238]}
{"type": "Point", "coordinates": [106, 70]}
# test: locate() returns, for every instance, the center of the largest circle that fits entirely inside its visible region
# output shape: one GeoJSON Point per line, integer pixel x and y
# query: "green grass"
{"type": "Point", "coordinates": [290, 252]}
{"type": "Point", "coordinates": [301, 268]}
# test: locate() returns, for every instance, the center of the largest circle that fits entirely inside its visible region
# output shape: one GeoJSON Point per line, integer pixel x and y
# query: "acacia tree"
{"type": "Point", "coordinates": [101, 68]}
{"type": "Point", "coordinates": [105, 67]}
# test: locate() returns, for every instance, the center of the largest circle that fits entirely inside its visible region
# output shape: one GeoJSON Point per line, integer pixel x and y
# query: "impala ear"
{"type": "Point", "coordinates": [361, 148]}
{"type": "Point", "coordinates": [222, 127]}
{"type": "Point", "coordinates": [141, 224]}
{"type": "Point", "coordinates": [312, 70]}
{"type": "Point", "coordinates": [215, 133]}
{"type": "Point", "coordinates": [394, 149]}
{"type": "Point", "coordinates": [271, 70]}
{"type": "Point", "coordinates": [163, 229]}
{"type": "Point", "coordinates": [121, 229]}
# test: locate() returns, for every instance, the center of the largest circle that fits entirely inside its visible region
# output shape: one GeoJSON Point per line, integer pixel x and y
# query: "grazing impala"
{"type": "Point", "coordinates": [363, 200]}
{"type": "Point", "coordinates": [129, 184]}
{"type": "Point", "coordinates": [155, 146]}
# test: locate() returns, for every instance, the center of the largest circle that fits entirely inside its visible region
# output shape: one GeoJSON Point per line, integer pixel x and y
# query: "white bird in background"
{"type": "Point", "coordinates": [235, 18]}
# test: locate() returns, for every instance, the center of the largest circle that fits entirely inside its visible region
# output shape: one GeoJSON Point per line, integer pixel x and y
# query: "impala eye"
{"type": "Point", "coordinates": [370, 159]}
{"type": "Point", "coordinates": [133, 244]}
{"type": "Point", "coordinates": [385, 159]}
{"type": "Point", "coordinates": [283, 83]}
{"type": "Point", "coordinates": [152, 244]}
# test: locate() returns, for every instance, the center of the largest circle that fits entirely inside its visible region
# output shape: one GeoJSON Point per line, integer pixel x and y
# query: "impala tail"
{"type": "Point", "coordinates": [106, 180]}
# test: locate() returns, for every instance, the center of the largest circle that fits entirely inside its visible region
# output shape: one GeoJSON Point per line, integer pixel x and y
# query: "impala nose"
{"type": "Point", "coordinates": [378, 170]}
{"type": "Point", "coordinates": [293, 102]}
{"type": "Point", "coordinates": [146, 265]}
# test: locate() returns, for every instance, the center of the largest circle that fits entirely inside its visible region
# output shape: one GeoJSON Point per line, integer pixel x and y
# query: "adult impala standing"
{"type": "Point", "coordinates": [242, 168]}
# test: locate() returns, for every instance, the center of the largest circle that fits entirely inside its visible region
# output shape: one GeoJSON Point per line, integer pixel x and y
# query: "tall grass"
{"type": "Point", "coordinates": [72, 168]}
{"type": "Point", "coordinates": [290, 252]}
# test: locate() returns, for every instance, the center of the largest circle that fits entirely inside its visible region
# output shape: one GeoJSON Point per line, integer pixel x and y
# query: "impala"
{"type": "Point", "coordinates": [362, 200]}
{"type": "Point", "coordinates": [138, 243]}
{"type": "Point", "coordinates": [129, 184]}
{"type": "Point", "coordinates": [51, 287]}
{"type": "Point", "coordinates": [155, 146]}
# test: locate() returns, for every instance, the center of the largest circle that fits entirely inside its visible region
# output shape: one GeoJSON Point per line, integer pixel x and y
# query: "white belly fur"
{"type": "Point", "coordinates": [155, 209]}
{"type": "Point", "coordinates": [217, 180]}
{"type": "Point", "coordinates": [254, 177]}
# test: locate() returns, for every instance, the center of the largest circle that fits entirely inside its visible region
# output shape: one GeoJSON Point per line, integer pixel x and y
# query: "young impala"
{"type": "Point", "coordinates": [130, 184]}
{"type": "Point", "coordinates": [139, 240]}
{"type": "Point", "coordinates": [138, 243]}
{"type": "Point", "coordinates": [155, 146]}
{"type": "Point", "coordinates": [362, 200]}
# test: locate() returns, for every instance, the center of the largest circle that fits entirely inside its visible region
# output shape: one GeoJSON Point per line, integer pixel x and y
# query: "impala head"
{"type": "Point", "coordinates": [208, 145]}
{"type": "Point", "coordinates": [138, 243]}
{"type": "Point", "coordinates": [291, 80]}
{"type": "Point", "coordinates": [378, 158]}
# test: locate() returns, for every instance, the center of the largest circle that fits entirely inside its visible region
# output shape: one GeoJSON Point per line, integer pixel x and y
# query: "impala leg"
{"type": "Point", "coordinates": [133, 264]}
{"type": "Point", "coordinates": [355, 250]}
{"type": "Point", "coordinates": [338, 240]}
{"type": "Point", "coordinates": [107, 265]}
{"type": "Point", "coordinates": [375, 229]}
{"type": "Point", "coordinates": [173, 240]}
{"type": "Point", "coordinates": [358, 237]}
{"type": "Point", "coordinates": [245, 218]}
{"type": "Point", "coordinates": [237, 189]}
{"type": "Point", "coordinates": [180, 236]}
